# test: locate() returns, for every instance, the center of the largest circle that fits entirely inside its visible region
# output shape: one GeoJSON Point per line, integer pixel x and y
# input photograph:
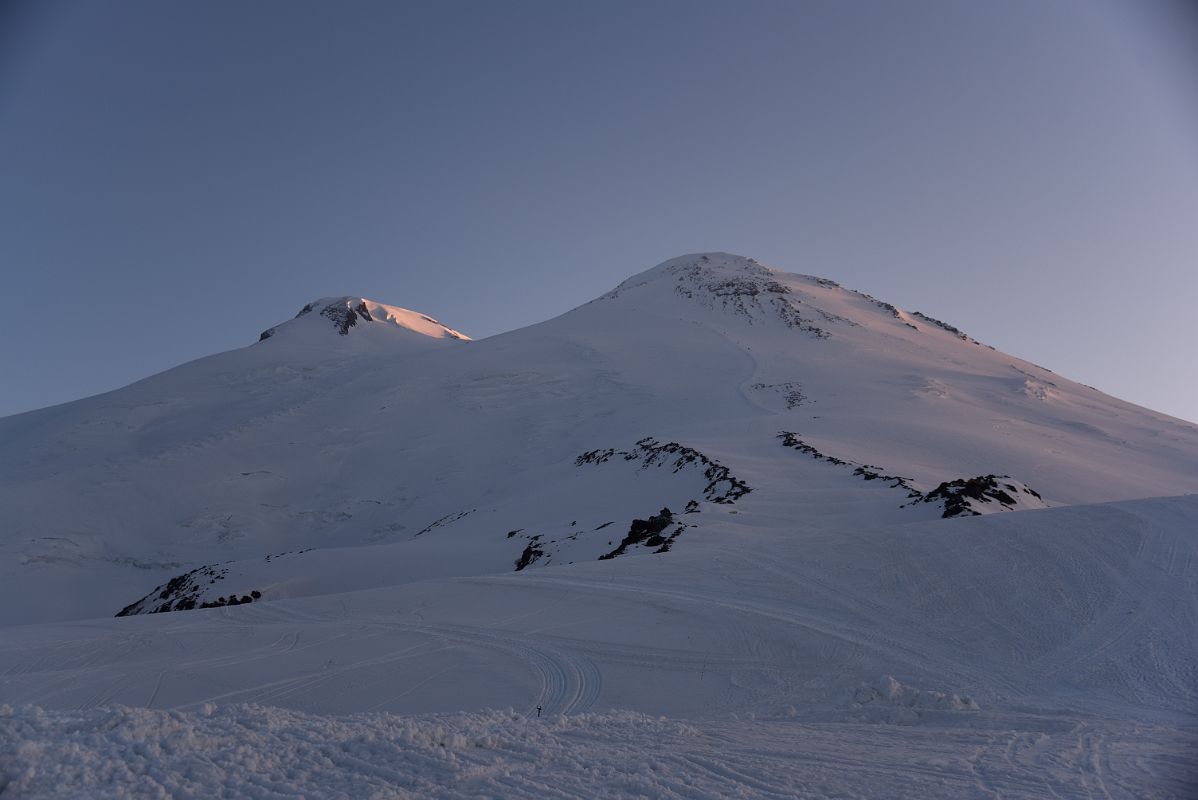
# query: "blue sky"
{"type": "Point", "coordinates": [177, 176]}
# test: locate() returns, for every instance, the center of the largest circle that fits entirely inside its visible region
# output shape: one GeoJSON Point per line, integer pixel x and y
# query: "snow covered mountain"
{"type": "Point", "coordinates": [378, 440]}
{"type": "Point", "coordinates": [730, 489]}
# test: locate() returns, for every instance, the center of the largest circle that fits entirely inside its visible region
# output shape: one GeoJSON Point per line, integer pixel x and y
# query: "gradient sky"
{"type": "Point", "coordinates": [177, 176]}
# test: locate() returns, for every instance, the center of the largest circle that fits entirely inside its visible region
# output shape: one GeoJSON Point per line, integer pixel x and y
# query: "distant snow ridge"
{"type": "Point", "coordinates": [963, 497]}
{"type": "Point", "coordinates": [345, 313]}
{"type": "Point", "coordinates": [944, 326]}
{"type": "Point", "coordinates": [198, 589]}
{"type": "Point", "coordinates": [182, 593]}
{"type": "Point", "coordinates": [722, 487]}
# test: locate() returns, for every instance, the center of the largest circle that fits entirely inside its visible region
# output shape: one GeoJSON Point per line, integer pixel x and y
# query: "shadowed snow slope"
{"type": "Point", "coordinates": [719, 490]}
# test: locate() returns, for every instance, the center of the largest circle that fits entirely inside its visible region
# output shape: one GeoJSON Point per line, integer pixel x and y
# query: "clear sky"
{"type": "Point", "coordinates": [177, 176]}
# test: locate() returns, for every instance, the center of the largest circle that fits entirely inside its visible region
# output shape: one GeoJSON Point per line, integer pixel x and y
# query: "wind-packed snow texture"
{"type": "Point", "coordinates": [252, 751]}
{"type": "Point", "coordinates": [699, 522]}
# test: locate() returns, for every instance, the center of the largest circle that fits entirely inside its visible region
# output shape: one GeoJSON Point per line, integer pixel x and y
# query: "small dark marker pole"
{"type": "Point", "coordinates": [538, 711]}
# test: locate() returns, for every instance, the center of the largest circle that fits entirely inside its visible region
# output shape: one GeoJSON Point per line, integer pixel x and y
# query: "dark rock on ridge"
{"type": "Point", "coordinates": [959, 496]}
{"type": "Point", "coordinates": [649, 533]}
{"type": "Point", "coordinates": [722, 487]}
{"type": "Point", "coordinates": [344, 317]}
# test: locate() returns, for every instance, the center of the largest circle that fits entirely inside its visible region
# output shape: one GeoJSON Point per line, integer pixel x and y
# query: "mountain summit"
{"type": "Point", "coordinates": [344, 315]}
{"type": "Point", "coordinates": [745, 288]}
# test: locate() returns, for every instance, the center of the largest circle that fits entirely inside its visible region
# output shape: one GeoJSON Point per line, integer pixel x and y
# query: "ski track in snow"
{"type": "Point", "coordinates": [569, 683]}
{"type": "Point", "coordinates": [862, 638]}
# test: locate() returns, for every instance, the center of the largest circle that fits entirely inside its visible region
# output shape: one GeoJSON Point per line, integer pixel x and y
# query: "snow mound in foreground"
{"type": "Point", "coordinates": [888, 691]}
{"type": "Point", "coordinates": [255, 751]}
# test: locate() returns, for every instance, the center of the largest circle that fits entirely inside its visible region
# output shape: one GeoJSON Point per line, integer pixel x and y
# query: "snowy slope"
{"type": "Point", "coordinates": [1091, 618]}
{"type": "Point", "coordinates": [719, 492]}
{"type": "Point", "coordinates": [1046, 653]}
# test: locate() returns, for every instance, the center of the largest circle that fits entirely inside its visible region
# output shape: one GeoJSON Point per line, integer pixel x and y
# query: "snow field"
{"type": "Point", "coordinates": [261, 752]}
{"type": "Point", "coordinates": [1036, 654]}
